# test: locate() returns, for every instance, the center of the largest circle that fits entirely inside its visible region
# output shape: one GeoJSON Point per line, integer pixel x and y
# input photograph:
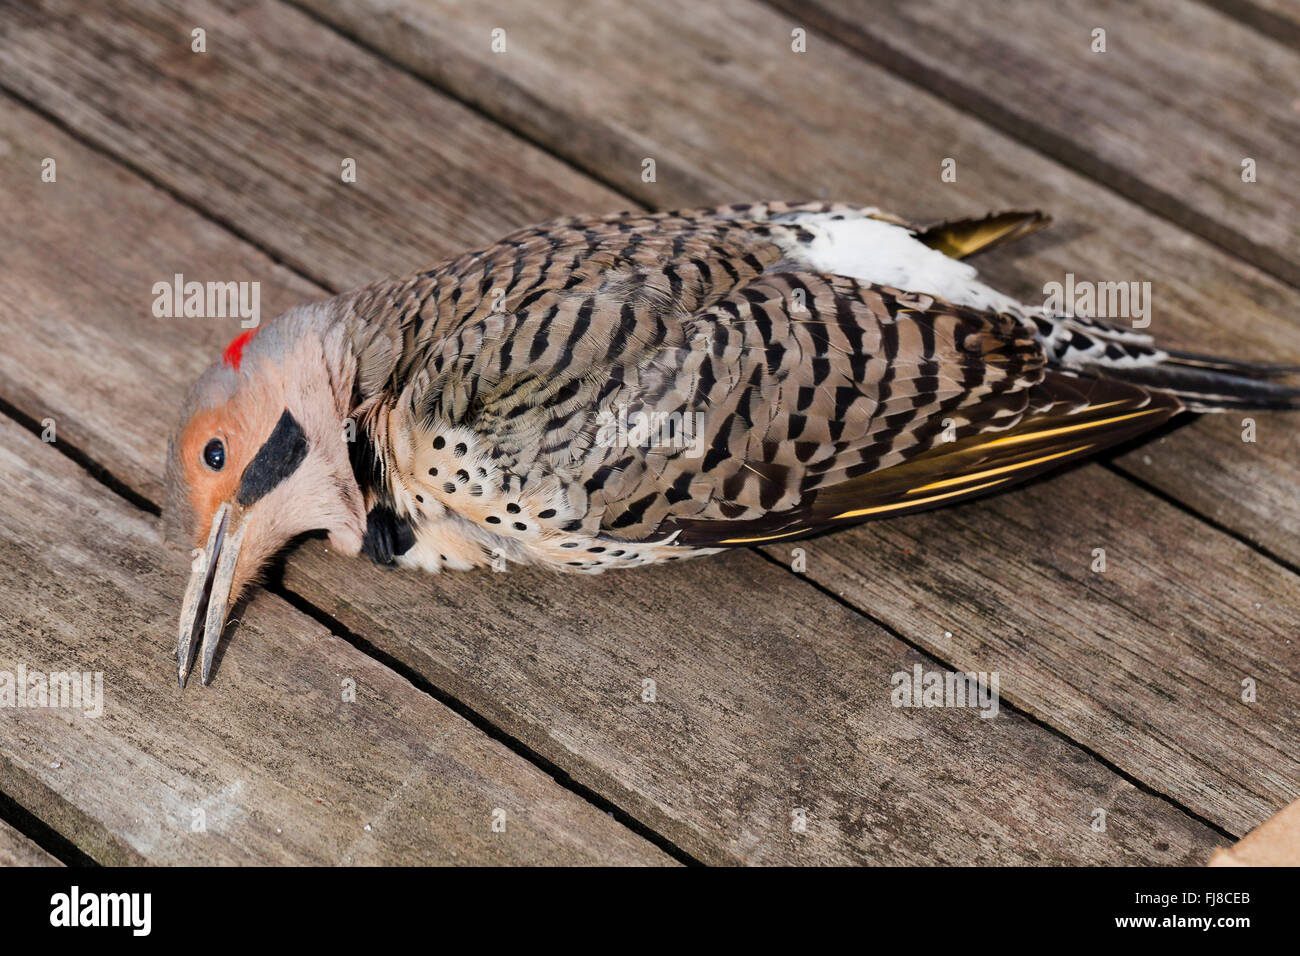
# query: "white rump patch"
{"type": "Point", "coordinates": [871, 250]}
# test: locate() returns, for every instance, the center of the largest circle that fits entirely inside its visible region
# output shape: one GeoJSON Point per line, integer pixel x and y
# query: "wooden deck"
{"type": "Point", "coordinates": [517, 697]}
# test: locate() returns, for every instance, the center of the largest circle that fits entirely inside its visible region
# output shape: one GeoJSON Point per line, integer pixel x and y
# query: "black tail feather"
{"type": "Point", "coordinates": [1215, 385]}
{"type": "Point", "coordinates": [1230, 366]}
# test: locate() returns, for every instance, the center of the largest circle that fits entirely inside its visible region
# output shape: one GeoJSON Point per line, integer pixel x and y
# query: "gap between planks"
{"type": "Point", "coordinates": [379, 53]}
{"type": "Point", "coordinates": [1120, 471]}
{"type": "Point", "coordinates": [162, 186]}
{"type": "Point", "coordinates": [40, 833]}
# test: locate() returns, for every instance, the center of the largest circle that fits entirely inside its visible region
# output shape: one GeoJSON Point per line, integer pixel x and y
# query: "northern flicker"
{"type": "Point", "coordinates": [596, 393]}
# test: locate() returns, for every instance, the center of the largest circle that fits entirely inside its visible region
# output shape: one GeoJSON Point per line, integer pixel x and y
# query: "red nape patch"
{"type": "Point", "coordinates": [234, 353]}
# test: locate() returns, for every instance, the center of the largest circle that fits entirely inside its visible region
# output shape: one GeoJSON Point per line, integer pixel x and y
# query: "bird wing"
{"type": "Point", "coordinates": [1067, 419]}
{"type": "Point", "coordinates": [792, 397]}
{"type": "Point", "coordinates": [871, 402]}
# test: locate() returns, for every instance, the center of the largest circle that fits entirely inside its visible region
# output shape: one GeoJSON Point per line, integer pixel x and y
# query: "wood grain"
{"type": "Point", "coordinates": [17, 850]}
{"type": "Point", "coordinates": [1276, 19]}
{"type": "Point", "coordinates": [275, 763]}
{"type": "Point", "coordinates": [713, 93]}
{"type": "Point", "coordinates": [757, 714]}
{"type": "Point", "coordinates": [1153, 645]}
{"type": "Point", "coordinates": [764, 705]}
{"type": "Point", "coordinates": [1165, 114]}
{"type": "Point", "coordinates": [255, 130]}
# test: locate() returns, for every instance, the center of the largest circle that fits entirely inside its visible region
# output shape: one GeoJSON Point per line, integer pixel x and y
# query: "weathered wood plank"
{"type": "Point", "coordinates": [256, 129]}
{"type": "Point", "coordinates": [1166, 113]}
{"type": "Point", "coordinates": [275, 764]}
{"type": "Point", "coordinates": [757, 714]}
{"type": "Point", "coordinates": [17, 850]}
{"type": "Point", "coordinates": [715, 96]}
{"type": "Point", "coordinates": [1098, 655]}
{"type": "Point", "coordinates": [153, 238]}
{"type": "Point", "coordinates": [1278, 19]}
{"type": "Point", "coordinates": [779, 703]}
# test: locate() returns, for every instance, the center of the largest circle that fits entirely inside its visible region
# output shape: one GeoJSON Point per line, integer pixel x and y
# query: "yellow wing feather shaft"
{"type": "Point", "coordinates": [989, 473]}
{"type": "Point", "coordinates": [917, 501]}
{"type": "Point", "coordinates": [961, 485]}
{"type": "Point", "coordinates": [766, 537]}
{"type": "Point", "coordinates": [1022, 437]}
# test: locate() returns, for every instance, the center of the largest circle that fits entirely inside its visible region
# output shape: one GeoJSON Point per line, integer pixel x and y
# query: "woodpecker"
{"type": "Point", "coordinates": [610, 392]}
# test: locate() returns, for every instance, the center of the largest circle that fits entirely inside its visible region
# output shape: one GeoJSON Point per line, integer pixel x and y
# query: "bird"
{"type": "Point", "coordinates": [614, 391]}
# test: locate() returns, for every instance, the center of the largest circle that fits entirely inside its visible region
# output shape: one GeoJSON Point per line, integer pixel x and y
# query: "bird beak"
{"type": "Point", "coordinates": [207, 596]}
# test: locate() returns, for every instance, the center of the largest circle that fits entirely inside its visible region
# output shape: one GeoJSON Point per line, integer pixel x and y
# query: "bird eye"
{"type": "Point", "coordinates": [214, 454]}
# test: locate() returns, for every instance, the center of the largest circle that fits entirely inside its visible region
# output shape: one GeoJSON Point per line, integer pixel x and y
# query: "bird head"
{"type": "Point", "coordinates": [259, 458]}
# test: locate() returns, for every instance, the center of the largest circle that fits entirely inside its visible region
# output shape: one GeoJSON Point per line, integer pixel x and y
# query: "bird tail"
{"type": "Point", "coordinates": [1208, 384]}
{"type": "Point", "coordinates": [1203, 383]}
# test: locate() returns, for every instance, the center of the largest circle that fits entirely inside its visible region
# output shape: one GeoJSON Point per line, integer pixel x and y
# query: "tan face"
{"type": "Point", "coordinates": [214, 436]}
{"type": "Point", "coordinates": [213, 453]}
{"type": "Point", "coordinates": [260, 458]}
